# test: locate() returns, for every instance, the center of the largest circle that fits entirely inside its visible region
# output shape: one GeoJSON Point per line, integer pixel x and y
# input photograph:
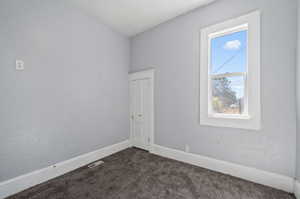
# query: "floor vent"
{"type": "Point", "coordinates": [95, 164]}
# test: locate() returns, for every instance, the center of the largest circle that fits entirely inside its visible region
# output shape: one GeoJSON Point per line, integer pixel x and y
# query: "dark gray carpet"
{"type": "Point", "coordinates": [136, 174]}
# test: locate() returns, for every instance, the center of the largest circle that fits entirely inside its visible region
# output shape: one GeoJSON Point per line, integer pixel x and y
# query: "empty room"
{"type": "Point", "coordinates": [149, 99]}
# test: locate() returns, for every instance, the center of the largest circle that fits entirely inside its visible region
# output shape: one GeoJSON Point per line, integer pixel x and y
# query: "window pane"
{"type": "Point", "coordinates": [229, 53]}
{"type": "Point", "coordinates": [228, 95]}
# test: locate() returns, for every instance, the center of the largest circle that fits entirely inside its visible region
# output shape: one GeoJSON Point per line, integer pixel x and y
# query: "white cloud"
{"type": "Point", "coordinates": [232, 45]}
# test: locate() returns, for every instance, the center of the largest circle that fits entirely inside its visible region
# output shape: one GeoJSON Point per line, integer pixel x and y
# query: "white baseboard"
{"type": "Point", "coordinates": [297, 189]}
{"type": "Point", "coordinates": [26, 181]}
{"type": "Point", "coordinates": [255, 175]}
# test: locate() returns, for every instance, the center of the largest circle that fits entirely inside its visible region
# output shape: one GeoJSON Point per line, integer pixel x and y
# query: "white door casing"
{"type": "Point", "coordinates": [142, 109]}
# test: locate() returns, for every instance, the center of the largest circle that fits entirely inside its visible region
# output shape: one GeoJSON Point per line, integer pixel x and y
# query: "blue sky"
{"type": "Point", "coordinates": [229, 54]}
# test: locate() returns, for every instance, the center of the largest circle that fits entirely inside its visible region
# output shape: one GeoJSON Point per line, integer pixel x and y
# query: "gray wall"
{"type": "Point", "coordinates": [173, 50]}
{"type": "Point", "coordinates": [72, 97]}
{"type": "Point", "coordinates": [298, 98]}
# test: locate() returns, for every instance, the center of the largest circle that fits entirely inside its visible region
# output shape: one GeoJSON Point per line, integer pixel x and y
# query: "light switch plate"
{"type": "Point", "coordinates": [20, 65]}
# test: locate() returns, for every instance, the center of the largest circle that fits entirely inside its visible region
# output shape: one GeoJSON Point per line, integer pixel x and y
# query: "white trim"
{"type": "Point", "coordinates": [252, 174]}
{"type": "Point", "coordinates": [228, 75]}
{"type": "Point", "coordinates": [26, 181]}
{"type": "Point", "coordinates": [145, 74]}
{"type": "Point", "coordinates": [229, 116]}
{"type": "Point", "coordinates": [297, 189]}
{"type": "Point", "coordinates": [252, 83]}
{"type": "Point", "coordinates": [142, 74]}
{"type": "Point", "coordinates": [230, 30]}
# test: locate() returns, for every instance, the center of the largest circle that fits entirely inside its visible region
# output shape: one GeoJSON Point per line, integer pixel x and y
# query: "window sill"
{"type": "Point", "coordinates": [230, 121]}
{"type": "Point", "coordinates": [229, 116]}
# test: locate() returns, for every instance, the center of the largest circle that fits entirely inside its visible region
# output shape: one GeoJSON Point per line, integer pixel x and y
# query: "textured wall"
{"type": "Point", "coordinates": [172, 49]}
{"type": "Point", "coordinates": [72, 96]}
{"type": "Point", "coordinates": [298, 98]}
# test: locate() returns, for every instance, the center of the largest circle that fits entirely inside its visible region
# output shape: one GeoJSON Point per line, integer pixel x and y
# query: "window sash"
{"type": "Point", "coordinates": [245, 114]}
{"type": "Point", "coordinates": [211, 113]}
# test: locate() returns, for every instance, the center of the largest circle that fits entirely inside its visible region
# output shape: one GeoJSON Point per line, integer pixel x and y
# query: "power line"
{"type": "Point", "coordinates": [229, 60]}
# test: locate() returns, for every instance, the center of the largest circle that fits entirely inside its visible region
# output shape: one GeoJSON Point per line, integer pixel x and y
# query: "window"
{"type": "Point", "coordinates": [230, 73]}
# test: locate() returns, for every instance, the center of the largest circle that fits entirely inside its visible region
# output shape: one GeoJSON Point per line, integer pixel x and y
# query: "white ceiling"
{"type": "Point", "coordinates": [131, 17]}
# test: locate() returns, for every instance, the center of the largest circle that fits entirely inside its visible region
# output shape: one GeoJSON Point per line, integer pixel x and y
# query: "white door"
{"type": "Point", "coordinates": [141, 112]}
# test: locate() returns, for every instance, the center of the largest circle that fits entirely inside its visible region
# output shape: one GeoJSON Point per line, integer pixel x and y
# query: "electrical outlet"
{"type": "Point", "coordinates": [20, 65]}
{"type": "Point", "coordinates": [187, 148]}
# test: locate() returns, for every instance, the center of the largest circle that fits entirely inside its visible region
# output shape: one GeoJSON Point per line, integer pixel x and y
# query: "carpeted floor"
{"type": "Point", "coordinates": [136, 174]}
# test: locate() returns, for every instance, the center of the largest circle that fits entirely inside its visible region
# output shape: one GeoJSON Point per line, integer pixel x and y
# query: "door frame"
{"type": "Point", "coordinates": [145, 74]}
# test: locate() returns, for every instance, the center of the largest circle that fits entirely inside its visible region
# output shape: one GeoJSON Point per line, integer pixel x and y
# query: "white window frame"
{"type": "Point", "coordinates": [251, 118]}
